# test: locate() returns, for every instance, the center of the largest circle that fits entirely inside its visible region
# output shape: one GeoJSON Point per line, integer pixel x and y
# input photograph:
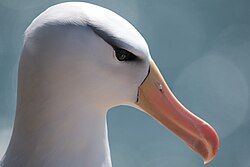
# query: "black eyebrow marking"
{"type": "Point", "coordinates": [113, 41]}
{"type": "Point", "coordinates": [107, 37]}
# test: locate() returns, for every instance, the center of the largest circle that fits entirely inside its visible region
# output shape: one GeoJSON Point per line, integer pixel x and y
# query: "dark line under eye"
{"type": "Point", "coordinates": [124, 55]}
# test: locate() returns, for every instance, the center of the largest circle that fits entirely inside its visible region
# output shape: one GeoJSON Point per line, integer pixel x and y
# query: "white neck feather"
{"type": "Point", "coordinates": [70, 134]}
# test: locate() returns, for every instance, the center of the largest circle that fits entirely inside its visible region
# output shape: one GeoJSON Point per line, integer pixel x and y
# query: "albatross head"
{"type": "Point", "coordinates": [78, 61]}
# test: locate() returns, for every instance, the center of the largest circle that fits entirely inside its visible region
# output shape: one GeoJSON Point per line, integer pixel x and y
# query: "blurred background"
{"type": "Point", "coordinates": [203, 50]}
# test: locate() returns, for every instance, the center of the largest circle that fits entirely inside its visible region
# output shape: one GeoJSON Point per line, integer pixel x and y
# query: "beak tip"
{"type": "Point", "coordinates": [207, 144]}
{"type": "Point", "coordinates": [209, 159]}
{"type": "Point", "coordinates": [214, 144]}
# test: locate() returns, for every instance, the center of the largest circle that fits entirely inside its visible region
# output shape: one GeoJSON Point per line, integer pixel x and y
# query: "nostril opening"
{"type": "Point", "coordinates": [159, 86]}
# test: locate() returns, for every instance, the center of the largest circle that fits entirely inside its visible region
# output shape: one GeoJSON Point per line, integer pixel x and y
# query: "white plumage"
{"type": "Point", "coordinates": [70, 74]}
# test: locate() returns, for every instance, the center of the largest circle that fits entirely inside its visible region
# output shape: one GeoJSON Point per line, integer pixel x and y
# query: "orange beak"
{"type": "Point", "coordinates": [156, 99]}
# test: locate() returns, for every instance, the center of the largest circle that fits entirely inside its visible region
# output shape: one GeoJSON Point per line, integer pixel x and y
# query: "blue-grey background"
{"type": "Point", "coordinates": [203, 50]}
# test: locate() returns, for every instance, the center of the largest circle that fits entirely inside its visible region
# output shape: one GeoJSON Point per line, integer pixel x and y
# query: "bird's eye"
{"type": "Point", "coordinates": [124, 55]}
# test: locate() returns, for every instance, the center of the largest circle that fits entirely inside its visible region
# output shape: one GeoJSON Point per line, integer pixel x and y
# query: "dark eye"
{"type": "Point", "coordinates": [124, 55]}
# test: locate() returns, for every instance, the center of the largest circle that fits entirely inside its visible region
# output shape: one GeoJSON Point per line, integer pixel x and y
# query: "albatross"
{"type": "Point", "coordinates": [78, 61]}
